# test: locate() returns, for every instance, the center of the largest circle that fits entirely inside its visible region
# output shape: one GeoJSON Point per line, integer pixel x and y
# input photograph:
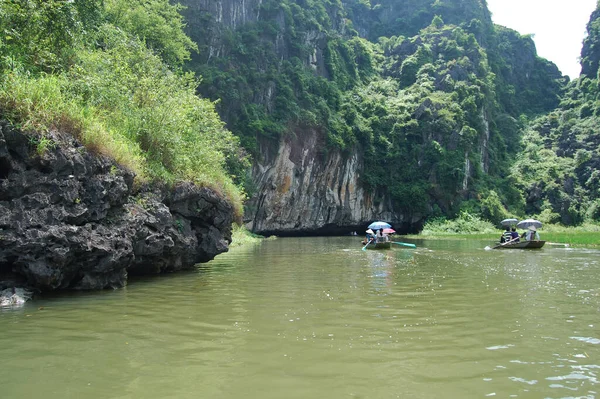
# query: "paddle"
{"type": "Point", "coordinates": [365, 247]}
{"type": "Point", "coordinates": [504, 243]}
{"type": "Point", "coordinates": [404, 243]}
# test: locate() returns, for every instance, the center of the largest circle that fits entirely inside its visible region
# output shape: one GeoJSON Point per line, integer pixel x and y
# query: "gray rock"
{"type": "Point", "coordinates": [70, 219]}
{"type": "Point", "coordinates": [14, 297]}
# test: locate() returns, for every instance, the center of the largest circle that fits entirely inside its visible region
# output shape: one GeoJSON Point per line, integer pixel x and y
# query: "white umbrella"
{"type": "Point", "coordinates": [379, 225]}
{"type": "Point", "coordinates": [508, 222]}
{"type": "Point", "coordinates": [523, 224]}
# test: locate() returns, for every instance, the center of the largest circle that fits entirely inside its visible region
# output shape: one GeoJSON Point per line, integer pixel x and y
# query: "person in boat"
{"type": "Point", "coordinates": [514, 235]}
{"type": "Point", "coordinates": [506, 236]}
{"type": "Point", "coordinates": [531, 234]}
{"type": "Point", "coordinates": [386, 236]}
{"type": "Point", "coordinates": [369, 237]}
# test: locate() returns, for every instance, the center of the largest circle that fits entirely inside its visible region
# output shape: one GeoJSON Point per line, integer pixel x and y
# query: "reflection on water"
{"type": "Point", "coordinates": [318, 317]}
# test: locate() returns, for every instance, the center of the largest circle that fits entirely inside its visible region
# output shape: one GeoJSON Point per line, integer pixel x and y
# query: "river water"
{"type": "Point", "coordinates": [319, 318]}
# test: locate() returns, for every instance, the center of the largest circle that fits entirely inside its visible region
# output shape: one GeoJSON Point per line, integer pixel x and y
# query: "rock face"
{"type": "Point", "coordinates": [300, 189]}
{"type": "Point", "coordinates": [303, 191]}
{"type": "Point", "coordinates": [590, 53]}
{"type": "Point", "coordinates": [14, 297]}
{"type": "Point", "coordinates": [71, 219]}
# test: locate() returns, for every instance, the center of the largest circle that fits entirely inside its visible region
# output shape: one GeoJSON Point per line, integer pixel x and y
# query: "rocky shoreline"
{"type": "Point", "coordinates": [70, 219]}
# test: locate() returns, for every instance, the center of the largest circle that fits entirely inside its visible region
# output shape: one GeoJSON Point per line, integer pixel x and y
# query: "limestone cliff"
{"type": "Point", "coordinates": [303, 191]}
{"type": "Point", "coordinates": [286, 72]}
{"type": "Point", "coordinates": [72, 219]}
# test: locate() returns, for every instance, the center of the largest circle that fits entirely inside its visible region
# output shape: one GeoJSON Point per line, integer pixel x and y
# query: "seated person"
{"type": "Point", "coordinates": [532, 234]}
{"type": "Point", "coordinates": [514, 235]}
{"type": "Point", "coordinates": [506, 236]}
{"type": "Point", "coordinates": [369, 237]}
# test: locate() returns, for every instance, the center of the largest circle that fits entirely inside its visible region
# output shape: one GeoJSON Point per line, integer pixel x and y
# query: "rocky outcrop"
{"type": "Point", "coordinates": [72, 219]}
{"type": "Point", "coordinates": [407, 17]}
{"type": "Point", "coordinates": [14, 297]}
{"type": "Point", "coordinates": [590, 52]}
{"type": "Point", "coordinates": [305, 191]}
{"type": "Point", "coordinates": [207, 20]}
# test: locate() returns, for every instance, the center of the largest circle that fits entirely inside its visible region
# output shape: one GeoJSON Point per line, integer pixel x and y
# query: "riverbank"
{"type": "Point", "coordinates": [72, 219]}
{"type": "Point", "coordinates": [241, 237]}
{"type": "Point", "coordinates": [573, 236]}
{"type": "Point", "coordinates": [472, 227]}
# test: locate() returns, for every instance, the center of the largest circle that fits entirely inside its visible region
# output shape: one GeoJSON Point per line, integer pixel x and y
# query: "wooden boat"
{"type": "Point", "coordinates": [380, 245]}
{"type": "Point", "coordinates": [521, 245]}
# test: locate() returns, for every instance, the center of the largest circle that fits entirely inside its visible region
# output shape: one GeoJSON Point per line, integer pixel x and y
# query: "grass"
{"type": "Point", "coordinates": [39, 105]}
{"type": "Point", "coordinates": [575, 239]}
{"type": "Point", "coordinates": [587, 235]}
{"type": "Point", "coordinates": [469, 227]}
{"type": "Point", "coordinates": [242, 237]}
{"type": "Point", "coordinates": [154, 141]}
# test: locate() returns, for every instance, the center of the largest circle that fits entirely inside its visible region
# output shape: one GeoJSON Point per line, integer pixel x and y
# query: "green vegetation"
{"type": "Point", "coordinates": [559, 165]}
{"type": "Point", "coordinates": [435, 98]}
{"type": "Point", "coordinates": [241, 237]}
{"type": "Point", "coordinates": [385, 18]}
{"type": "Point", "coordinates": [108, 72]}
{"type": "Point", "coordinates": [464, 224]}
{"type": "Point", "coordinates": [471, 227]}
{"type": "Point", "coordinates": [456, 119]}
{"type": "Point", "coordinates": [578, 238]}
{"type": "Point", "coordinates": [260, 94]}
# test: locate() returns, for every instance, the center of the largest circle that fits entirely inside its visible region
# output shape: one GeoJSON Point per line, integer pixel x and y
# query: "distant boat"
{"type": "Point", "coordinates": [521, 245]}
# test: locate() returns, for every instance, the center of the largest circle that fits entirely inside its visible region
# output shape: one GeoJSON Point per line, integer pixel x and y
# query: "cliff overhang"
{"type": "Point", "coordinates": [71, 219]}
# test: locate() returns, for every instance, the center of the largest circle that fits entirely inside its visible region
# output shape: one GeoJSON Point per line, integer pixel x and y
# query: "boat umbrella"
{"type": "Point", "coordinates": [523, 224]}
{"type": "Point", "coordinates": [389, 231]}
{"type": "Point", "coordinates": [380, 225]}
{"type": "Point", "coordinates": [508, 222]}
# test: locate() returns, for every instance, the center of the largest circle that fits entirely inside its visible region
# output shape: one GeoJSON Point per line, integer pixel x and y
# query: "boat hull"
{"type": "Point", "coordinates": [521, 245]}
{"type": "Point", "coordinates": [380, 245]}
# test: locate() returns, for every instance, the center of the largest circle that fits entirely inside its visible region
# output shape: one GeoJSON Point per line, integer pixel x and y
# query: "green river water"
{"type": "Point", "coordinates": [319, 318]}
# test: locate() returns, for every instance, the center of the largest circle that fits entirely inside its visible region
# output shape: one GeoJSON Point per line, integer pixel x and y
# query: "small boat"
{"type": "Point", "coordinates": [521, 245]}
{"type": "Point", "coordinates": [378, 243]}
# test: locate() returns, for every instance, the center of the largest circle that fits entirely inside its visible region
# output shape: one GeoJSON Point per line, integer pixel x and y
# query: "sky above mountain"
{"type": "Point", "coordinates": [558, 27]}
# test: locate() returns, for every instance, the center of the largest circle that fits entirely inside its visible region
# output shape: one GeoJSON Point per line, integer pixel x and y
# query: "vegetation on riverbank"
{"type": "Point", "coordinates": [109, 72]}
{"type": "Point", "coordinates": [468, 226]}
{"type": "Point", "coordinates": [241, 236]}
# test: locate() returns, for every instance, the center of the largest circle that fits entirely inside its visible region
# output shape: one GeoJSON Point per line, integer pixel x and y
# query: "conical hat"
{"type": "Point", "coordinates": [532, 228]}
{"type": "Point", "coordinates": [370, 231]}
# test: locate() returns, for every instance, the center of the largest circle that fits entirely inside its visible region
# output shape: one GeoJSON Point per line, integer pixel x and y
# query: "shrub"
{"type": "Point", "coordinates": [464, 223]}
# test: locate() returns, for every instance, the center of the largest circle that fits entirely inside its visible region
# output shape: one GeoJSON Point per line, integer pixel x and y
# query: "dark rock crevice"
{"type": "Point", "coordinates": [5, 167]}
{"type": "Point", "coordinates": [72, 220]}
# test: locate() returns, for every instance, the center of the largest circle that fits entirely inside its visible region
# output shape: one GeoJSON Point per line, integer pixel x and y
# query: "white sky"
{"type": "Point", "coordinates": [558, 27]}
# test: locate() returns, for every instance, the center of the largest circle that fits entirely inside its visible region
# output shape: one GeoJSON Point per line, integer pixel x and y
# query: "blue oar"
{"type": "Point", "coordinates": [405, 244]}
{"type": "Point", "coordinates": [365, 247]}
